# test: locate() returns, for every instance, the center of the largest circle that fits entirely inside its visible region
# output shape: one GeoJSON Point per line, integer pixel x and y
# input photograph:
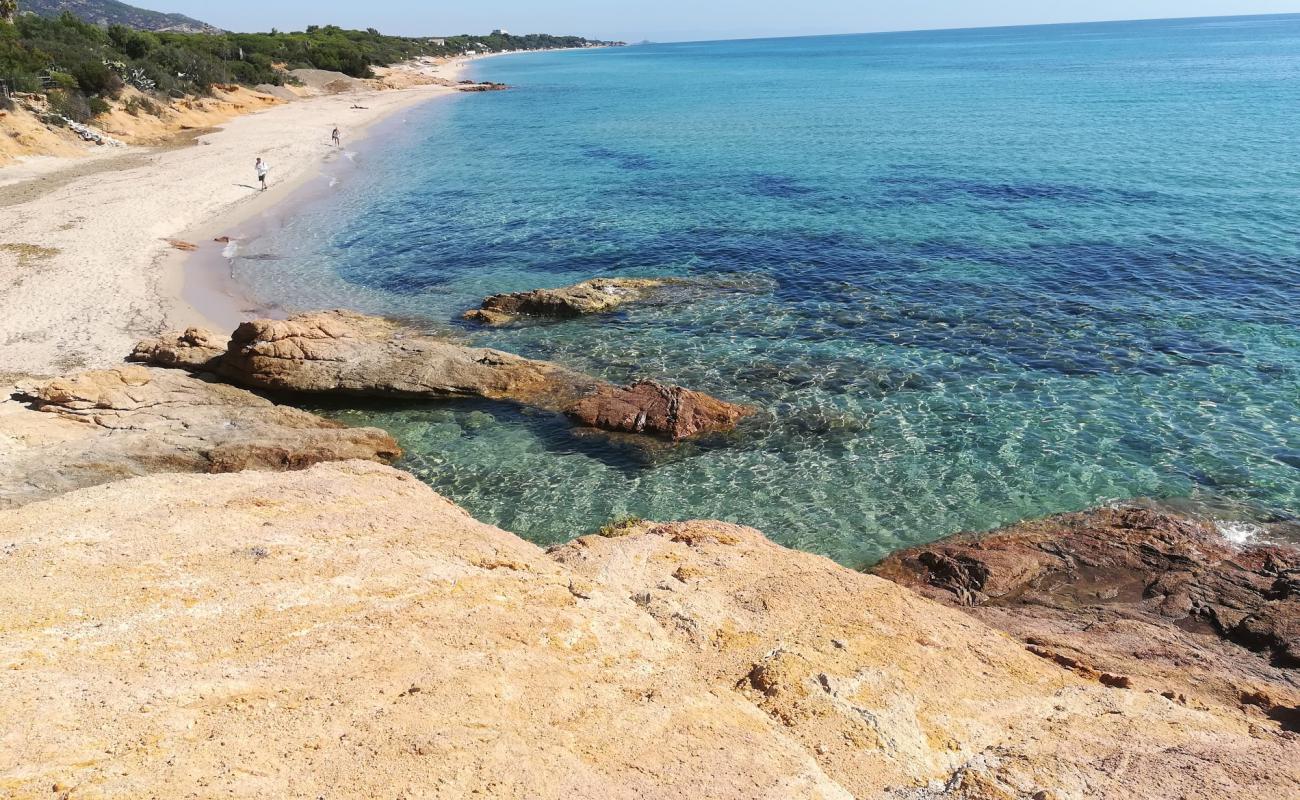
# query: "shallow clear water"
{"type": "Point", "coordinates": [970, 277]}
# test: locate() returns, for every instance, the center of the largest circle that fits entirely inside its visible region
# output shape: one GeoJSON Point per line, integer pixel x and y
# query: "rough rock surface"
{"type": "Point", "coordinates": [107, 425]}
{"type": "Point", "coordinates": [596, 296]}
{"type": "Point", "coordinates": [487, 86]}
{"type": "Point", "coordinates": [340, 352]}
{"type": "Point", "coordinates": [196, 349]}
{"type": "Point", "coordinates": [649, 406]}
{"type": "Point", "coordinates": [1141, 597]}
{"type": "Point", "coordinates": [345, 632]}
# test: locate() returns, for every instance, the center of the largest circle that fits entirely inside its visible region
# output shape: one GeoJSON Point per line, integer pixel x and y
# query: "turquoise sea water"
{"type": "Point", "coordinates": [970, 277]}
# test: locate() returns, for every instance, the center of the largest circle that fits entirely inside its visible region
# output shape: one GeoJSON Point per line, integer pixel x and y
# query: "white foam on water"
{"type": "Point", "coordinates": [1238, 532]}
{"type": "Point", "coordinates": [349, 155]}
{"type": "Point", "coordinates": [230, 250]}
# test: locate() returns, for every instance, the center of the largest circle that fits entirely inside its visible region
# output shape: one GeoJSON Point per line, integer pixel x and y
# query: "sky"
{"type": "Point", "coordinates": [689, 20]}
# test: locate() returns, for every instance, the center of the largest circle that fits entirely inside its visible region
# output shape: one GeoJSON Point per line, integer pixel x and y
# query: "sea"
{"type": "Point", "coordinates": [968, 277]}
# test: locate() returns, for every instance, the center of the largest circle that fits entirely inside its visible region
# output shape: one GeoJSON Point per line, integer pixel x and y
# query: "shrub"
{"type": "Point", "coordinates": [97, 78]}
{"type": "Point", "coordinates": [70, 104]}
{"type": "Point", "coordinates": [134, 105]}
{"type": "Point", "coordinates": [98, 106]}
{"type": "Point", "coordinates": [62, 80]}
{"type": "Point", "coordinates": [619, 527]}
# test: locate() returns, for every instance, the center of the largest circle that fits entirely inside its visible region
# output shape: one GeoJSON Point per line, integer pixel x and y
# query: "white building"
{"type": "Point", "coordinates": [500, 32]}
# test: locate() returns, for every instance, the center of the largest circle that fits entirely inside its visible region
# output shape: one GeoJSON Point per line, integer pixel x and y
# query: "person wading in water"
{"type": "Point", "coordinates": [335, 138]}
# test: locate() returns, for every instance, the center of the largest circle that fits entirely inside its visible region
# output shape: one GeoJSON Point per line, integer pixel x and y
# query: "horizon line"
{"type": "Point", "coordinates": [968, 28]}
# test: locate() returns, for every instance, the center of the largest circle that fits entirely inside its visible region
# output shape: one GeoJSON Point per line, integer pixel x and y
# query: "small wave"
{"type": "Point", "coordinates": [1238, 532]}
{"type": "Point", "coordinates": [333, 181]}
{"type": "Point", "coordinates": [230, 250]}
{"type": "Point", "coordinates": [350, 155]}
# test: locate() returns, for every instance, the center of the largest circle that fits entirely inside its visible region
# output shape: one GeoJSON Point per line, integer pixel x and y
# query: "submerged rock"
{"type": "Point", "coordinates": [1133, 594]}
{"type": "Point", "coordinates": [106, 425]}
{"type": "Point", "coordinates": [344, 353]}
{"type": "Point", "coordinates": [596, 296]}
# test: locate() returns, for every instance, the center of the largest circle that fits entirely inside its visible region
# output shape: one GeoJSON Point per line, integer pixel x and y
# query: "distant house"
{"type": "Point", "coordinates": [500, 32]}
{"type": "Point", "coordinates": [438, 42]}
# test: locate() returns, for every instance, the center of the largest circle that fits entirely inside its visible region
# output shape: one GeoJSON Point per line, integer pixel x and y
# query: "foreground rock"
{"type": "Point", "coordinates": [103, 426]}
{"type": "Point", "coordinates": [1134, 596]}
{"type": "Point", "coordinates": [345, 632]}
{"type": "Point", "coordinates": [342, 353]}
{"type": "Point", "coordinates": [596, 296]}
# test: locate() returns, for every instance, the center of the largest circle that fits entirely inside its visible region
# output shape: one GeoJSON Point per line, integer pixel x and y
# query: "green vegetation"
{"type": "Point", "coordinates": [619, 527]}
{"type": "Point", "coordinates": [113, 12]}
{"type": "Point", "coordinates": [81, 66]}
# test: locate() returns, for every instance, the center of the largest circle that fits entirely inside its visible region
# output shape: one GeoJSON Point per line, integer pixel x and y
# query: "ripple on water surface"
{"type": "Point", "coordinates": [970, 277]}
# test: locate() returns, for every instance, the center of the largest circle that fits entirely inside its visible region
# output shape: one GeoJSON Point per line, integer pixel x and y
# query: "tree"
{"type": "Point", "coordinates": [8, 10]}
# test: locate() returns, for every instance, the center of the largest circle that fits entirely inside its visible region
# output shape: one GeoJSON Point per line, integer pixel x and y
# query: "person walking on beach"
{"type": "Point", "coordinates": [335, 138]}
{"type": "Point", "coordinates": [262, 169]}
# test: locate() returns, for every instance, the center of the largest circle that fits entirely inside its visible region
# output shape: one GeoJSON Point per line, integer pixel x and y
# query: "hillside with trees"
{"type": "Point", "coordinates": [80, 66]}
{"type": "Point", "coordinates": [112, 12]}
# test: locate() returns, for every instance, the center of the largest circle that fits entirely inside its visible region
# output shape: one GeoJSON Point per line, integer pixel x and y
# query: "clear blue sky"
{"type": "Point", "coordinates": [685, 20]}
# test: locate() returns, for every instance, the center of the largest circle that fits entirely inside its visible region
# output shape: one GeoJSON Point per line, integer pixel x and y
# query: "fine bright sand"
{"type": "Point", "coordinates": [86, 270]}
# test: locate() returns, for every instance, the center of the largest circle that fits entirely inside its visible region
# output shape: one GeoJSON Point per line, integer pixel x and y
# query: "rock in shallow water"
{"type": "Point", "coordinates": [596, 296]}
{"type": "Point", "coordinates": [1129, 592]}
{"type": "Point", "coordinates": [344, 353]}
{"type": "Point", "coordinates": [652, 407]}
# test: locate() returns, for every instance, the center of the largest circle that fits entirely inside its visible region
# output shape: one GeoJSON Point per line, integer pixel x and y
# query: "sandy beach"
{"type": "Point", "coordinates": [86, 269]}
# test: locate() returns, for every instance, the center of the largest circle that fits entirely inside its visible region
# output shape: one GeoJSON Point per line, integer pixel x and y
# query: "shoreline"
{"type": "Point", "coordinates": [85, 263]}
{"type": "Point", "coordinates": [206, 292]}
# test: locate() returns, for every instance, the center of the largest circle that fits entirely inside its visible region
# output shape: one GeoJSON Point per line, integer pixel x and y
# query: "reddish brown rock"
{"type": "Point", "coordinates": [654, 408]}
{"type": "Point", "coordinates": [1134, 596]}
{"type": "Point", "coordinates": [343, 353]}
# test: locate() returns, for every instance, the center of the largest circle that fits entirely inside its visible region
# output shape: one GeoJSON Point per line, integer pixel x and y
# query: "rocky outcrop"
{"type": "Point", "coordinates": [1134, 596]}
{"type": "Point", "coordinates": [649, 406]}
{"type": "Point", "coordinates": [596, 296]}
{"type": "Point", "coordinates": [345, 632]}
{"type": "Point", "coordinates": [352, 354]}
{"type": "Point", "coordinates": [343, 353]}
{"type": "Point", "coordinates": [487, 86]}
{"type": "Point", "coordinates": [196, 350]}
{"type": "Point", "coordinates": [102, 426]}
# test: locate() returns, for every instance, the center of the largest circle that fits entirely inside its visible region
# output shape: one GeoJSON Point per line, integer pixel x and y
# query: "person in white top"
{"type": "Point", "coordinates": [262, 169]}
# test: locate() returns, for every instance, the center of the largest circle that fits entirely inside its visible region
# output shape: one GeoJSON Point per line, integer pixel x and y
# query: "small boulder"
{"type": "Point", "coordinates": [196, 350]}
{"type": "Point", "coordinates": [650, 407]}
{"type": "Point", "coordinates": [597, 296]}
